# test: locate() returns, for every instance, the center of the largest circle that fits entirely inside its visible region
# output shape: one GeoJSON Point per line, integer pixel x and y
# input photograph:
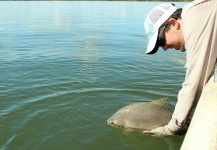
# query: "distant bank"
{"type": "Point", "coordinates": [114, 0]}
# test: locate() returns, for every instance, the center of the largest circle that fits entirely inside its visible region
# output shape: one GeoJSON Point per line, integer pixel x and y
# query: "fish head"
{"type": "Point", "coordinates": [116, 121]}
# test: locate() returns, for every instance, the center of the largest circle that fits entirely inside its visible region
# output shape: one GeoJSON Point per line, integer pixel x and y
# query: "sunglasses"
{"type": "Point", "coordinates": [161, 38]}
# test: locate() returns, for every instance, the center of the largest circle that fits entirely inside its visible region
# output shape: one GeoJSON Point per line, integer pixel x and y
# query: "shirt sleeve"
{"type": "Point", "coordinates": [188, 93]}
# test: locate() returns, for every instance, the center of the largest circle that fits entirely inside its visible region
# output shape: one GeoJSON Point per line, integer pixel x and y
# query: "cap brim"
{"type": "Point", "coordinates": [152, 44]}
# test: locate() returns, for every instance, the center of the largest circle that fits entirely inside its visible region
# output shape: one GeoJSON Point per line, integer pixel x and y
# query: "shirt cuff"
{"type": "Point", "coordinates": [172, 125]}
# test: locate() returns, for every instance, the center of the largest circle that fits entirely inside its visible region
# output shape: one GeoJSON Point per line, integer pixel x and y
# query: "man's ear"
{"type": "Point", "coordinates": [174, 23]}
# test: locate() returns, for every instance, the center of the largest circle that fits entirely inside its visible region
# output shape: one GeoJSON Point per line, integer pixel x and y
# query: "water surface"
{"type": "Point", "coordinates": [66, 67]}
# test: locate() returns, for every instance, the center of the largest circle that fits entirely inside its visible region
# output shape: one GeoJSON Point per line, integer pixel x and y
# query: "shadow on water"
{"type": "Point", "coordinates": [119, 139]}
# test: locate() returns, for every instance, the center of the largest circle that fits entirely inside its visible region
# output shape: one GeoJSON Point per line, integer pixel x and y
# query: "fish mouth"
{"type": "Point", "coordinates": [111, 122]}
{"type": "Point", "coordinates": [116, 123]}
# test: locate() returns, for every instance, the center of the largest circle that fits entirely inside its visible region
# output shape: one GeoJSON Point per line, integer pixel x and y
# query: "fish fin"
{"type": "Point", "coordinates": [163, 102]}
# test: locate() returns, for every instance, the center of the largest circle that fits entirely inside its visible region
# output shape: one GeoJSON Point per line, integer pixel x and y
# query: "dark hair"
{"type": "Point", "coordinates": [176, 15]}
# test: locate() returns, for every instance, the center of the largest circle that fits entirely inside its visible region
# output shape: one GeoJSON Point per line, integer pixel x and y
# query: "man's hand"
{"type": "Point", "coordinates": [160, 131]}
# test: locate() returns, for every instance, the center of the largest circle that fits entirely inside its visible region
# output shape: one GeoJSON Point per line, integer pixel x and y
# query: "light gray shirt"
{"type": "Point", "coordinates": [199, 25]}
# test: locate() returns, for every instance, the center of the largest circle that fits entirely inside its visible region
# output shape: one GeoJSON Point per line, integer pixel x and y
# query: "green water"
{"type": "Point", "coordinates": [66, 67]}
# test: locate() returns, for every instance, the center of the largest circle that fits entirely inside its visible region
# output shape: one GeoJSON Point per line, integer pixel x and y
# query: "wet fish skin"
{"type": "Point", "coordinates": [142, 115]}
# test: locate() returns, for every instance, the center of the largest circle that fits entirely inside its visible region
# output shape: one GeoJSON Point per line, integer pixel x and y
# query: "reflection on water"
{"type": "Point", "coordinates": [68, 66]}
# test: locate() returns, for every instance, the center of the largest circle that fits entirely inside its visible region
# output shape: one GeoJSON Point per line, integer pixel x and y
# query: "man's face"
{"type": "Point", "coordinates": [174, 36]}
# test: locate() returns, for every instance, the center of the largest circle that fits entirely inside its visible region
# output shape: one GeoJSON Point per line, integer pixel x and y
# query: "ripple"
{"type": "Point", "coordinates": [64, 73]}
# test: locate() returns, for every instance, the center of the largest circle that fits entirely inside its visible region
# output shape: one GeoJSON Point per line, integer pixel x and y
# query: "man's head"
{"type": "Point", "coordinates": [163, 28]}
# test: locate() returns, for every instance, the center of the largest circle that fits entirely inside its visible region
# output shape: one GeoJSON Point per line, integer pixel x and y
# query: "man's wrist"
{"type": "Point", "coordinates": [173, 132]}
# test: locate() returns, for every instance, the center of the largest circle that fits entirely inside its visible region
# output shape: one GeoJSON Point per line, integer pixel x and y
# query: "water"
{"type": "Point", "coordinates": [66, 67]}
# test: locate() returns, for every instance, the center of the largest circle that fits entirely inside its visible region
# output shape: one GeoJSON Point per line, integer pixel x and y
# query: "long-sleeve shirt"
{"type": "Point", "coordinates": [199, 25]}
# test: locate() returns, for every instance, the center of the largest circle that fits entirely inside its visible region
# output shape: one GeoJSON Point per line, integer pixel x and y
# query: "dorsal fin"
{"type": "Point", "coordinates": [163, 102]}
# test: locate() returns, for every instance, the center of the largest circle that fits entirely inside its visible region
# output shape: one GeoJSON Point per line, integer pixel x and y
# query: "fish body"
{"type": "Point", "coordinates": [142, 115]}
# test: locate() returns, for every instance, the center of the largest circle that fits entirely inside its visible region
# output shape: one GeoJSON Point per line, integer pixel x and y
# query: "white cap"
{"type": "Point", "coordinates": [156, 17]}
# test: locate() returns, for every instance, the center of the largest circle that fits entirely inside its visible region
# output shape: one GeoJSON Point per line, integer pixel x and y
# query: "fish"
{"type": "Point", "coordinates": [142, 115]}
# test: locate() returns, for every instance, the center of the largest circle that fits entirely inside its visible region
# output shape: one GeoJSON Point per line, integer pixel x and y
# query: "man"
{"type": "Point", "coordinates": [194, 29]}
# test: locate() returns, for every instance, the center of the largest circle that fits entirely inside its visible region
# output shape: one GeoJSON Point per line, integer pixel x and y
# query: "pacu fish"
{"type": "Point", "coordinates": [143, 115]}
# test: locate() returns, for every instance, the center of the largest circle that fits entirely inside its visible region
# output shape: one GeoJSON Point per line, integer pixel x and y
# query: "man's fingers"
{"type": "Point", "coordinates": [147, 131]}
